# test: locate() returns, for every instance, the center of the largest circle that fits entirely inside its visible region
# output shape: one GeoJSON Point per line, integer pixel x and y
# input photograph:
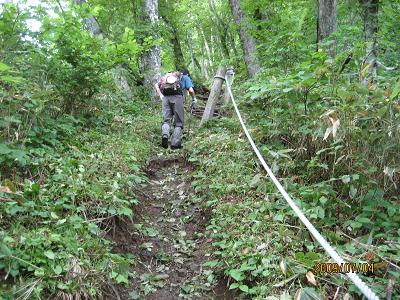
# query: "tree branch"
{"type": "Point", "coordinates": [384, 67]}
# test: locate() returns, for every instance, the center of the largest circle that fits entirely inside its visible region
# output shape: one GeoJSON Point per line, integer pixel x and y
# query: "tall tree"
{"type": "Point", "coordinates": [208, 50]}
{"type": "Point", "coordinates": [370, 8]}
{"type": "Point", "coordinates": [247, 41]}
{"type": "Point", "coordinates": [190, 43]}
{"type": "Point", "coordinates": [204, 70]}
{"type": "Point", "coordinates": [171, 21]}
{"type": "Point", "coordinates": [151, 58]}
{"type": "Point", "coordinates": [118, 72]}
{"type": "Point", "coordinates": [178, 55]}
{"type": "Point", "coordinates": [326, 23]}
{"type": "Point", "coordinates": [222, 28]}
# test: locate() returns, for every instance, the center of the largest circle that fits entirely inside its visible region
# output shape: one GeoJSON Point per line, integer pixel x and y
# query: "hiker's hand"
{"type": "Point", "coordinates": [162, 97]}
{"type": "Point", "coordinates": [194, 101]}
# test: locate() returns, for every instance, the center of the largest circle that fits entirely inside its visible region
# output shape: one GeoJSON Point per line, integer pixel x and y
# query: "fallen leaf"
{"type": "Point", "coordinates": [5, 189]}
{"type": "Point", "coordinates": [331, 117]}
{"type": "Point", "coordinates": [327, 133]}
{"type": "Point", "coordinates": [311, 278]}
{"type": "Point", "coordinates": [335, 125]}
{"type": "Point", "coordinates": [283, 267]}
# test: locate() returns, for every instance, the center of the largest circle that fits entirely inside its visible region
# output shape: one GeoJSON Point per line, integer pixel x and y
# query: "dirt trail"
{"type": "Point", "coordinates": [167, 239]}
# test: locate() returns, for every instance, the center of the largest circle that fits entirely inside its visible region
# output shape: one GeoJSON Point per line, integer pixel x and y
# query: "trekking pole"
{"type": "Point", "coordinates": [191, 108]}
{"type": "Point", "coordinates": [191, 116]}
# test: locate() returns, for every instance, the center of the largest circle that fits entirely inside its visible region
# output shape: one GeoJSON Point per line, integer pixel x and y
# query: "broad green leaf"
{"type": "Point", "coordinates": [244, 288]}
{"type": "Point", "coordinates": [50, 254]}
{"type": "Point", "coordinates": [4, 149]}
{"type": "Point", "coordinates": [134, 295]}
{"type": "Point", "coordinates": [285, 296]}
{"type": "Point", "coordinates": [307, 294]}
{"type": "Point", "coordinates": [57, 269]}
{"type": "Point", "coordinates": [211, 263]}
{"type": "Point", "coordinates": [94, 228]}
{"type": "Point", "coordinates": [236, 274]}
{"type": "Point", "coordinates": [125, 211]}
{"type": "Point", "coordinates": [4, 250]}
{"type": "Point", "coordinates": [3, 67]}
{"type": "Point", "coordinates": [39, 272]}
{"type": "Point", "coordinates": [234, 285]}
{"type": "Point", "coordinates": [160, 277]}
{"type": "Point", "coordinates": [121, 279]}
{"type": "Point", "coordinates": [395, 91]}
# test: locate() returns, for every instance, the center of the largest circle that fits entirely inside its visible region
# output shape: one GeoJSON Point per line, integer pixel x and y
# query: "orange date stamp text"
{"type": "Point", "coordinates": [344, 268]}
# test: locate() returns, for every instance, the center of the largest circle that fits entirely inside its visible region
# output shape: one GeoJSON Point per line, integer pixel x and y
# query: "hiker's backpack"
{"type": "Point", "coordinates": [170, 84]}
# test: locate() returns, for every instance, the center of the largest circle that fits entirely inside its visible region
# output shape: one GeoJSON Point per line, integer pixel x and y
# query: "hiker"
{"type": "Point", "coordinates": [171, 89]}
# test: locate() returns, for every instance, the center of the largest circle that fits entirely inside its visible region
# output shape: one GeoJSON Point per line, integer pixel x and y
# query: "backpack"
{"type": "Point", "coordinates": [170, 84]}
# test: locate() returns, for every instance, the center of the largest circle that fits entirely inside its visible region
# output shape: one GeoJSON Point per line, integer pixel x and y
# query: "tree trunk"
{"type": "Point", "coordinates": [204, 70]}
{"type": "Point", "coordinates": [326, 23]}
{"type": "Point", "coordinates": [230, 73]}
{"type": "Point", "coordinates": [208, 51]}
{"type": "Point", "coordinates": [191, 50]}
{"type": "Point", "coordinates": [233, 44]}
{"type": "Point", "coordinates": [90, 22]}
{"type": "Point", "coordinates": [369, 66]}
{"type": "Point", "coordinates": [174, 40]}
{"type": "Point", "coordinates": [212, 45]}
{"type": "Point", "coordinates": [223, 29]}
{"type": "Point", "coordinates": [222, 37]}
{"type": "Point", "coordinates": [118, 72]}
{"type": "Point", "coordinates": [214, 95]}
{"type": "Point", "coordinates": [179, 59]}
{"type": "Point", "coordinates": [151, 58]}
{"type": "Point", "coordinates": [247, 41]}
{"type": "Point", "coordinates": [196, 62]}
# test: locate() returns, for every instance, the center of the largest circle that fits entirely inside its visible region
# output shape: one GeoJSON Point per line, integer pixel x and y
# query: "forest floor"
{"type": "Point", "coordinates": [167, 238]}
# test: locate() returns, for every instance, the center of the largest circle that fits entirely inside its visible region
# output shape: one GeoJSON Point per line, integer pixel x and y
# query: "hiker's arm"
{"type": "Point", "coordinates": [194, 100]}
{"type": "Point", "coordinates": [158, 90]}
{"type": "Point", "coordinates": [188, 85]}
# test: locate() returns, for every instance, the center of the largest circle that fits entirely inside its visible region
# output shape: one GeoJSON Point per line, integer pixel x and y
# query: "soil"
{"type": "Point", "coordinates": [167, 239]}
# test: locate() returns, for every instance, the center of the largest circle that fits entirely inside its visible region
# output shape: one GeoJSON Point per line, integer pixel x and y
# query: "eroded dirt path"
{"type": "Point", "coordinates": [167, 238]}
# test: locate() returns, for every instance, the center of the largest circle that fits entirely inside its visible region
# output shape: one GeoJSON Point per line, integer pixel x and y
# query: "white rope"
{"type": "Point", "coordinates": [368, 293]}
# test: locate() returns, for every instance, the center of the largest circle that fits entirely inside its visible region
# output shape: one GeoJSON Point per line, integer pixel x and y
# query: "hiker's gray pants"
{"type": "Point", "coordinates": [172, 107]}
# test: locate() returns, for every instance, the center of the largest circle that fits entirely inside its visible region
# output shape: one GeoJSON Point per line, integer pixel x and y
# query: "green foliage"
{"type": "Point", "coordinates": [85, 183]}
{"type": "Point", "coordinates": [65, 179]}
{"type": "Point", "coordinates": [258, 241]}
{"type": "Point", "coordinates": [71, 146]}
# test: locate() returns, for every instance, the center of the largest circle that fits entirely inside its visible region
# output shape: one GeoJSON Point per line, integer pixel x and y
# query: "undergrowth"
{"type": "Point", "coordinates": [57, 210]}
{"type": "Point", "coordinates": [260, 245]}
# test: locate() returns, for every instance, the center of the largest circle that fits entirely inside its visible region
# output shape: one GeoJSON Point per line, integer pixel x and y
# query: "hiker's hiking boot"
{"type": "Point", "coordinates": [176, 139]}
{"type": "Point", "coordinates": [164, 141]}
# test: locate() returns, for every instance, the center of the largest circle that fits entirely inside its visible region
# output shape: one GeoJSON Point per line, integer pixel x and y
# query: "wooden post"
{"type": "Point", "coordinates": [214, 95]}
{"type": "Point", "coordinates": [230, 73]}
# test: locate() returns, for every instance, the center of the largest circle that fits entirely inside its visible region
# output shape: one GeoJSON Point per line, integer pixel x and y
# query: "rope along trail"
{"type": "Point", "coordinates": [367, 292]}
